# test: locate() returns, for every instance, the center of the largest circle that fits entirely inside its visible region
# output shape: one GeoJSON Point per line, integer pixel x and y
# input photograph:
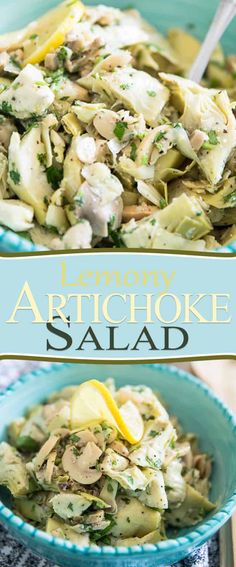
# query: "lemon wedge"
{"type": "Point", "coordinates": [48, 33]}
{"type": "Point", "coordinates": [93, 403]}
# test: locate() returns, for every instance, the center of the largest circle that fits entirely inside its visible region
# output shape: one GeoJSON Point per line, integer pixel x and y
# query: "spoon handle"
{"type": "Point", "coordinates": [224, 14]}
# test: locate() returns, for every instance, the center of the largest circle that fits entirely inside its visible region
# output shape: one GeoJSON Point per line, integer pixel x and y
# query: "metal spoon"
{"type": "Point", "coordinates": [224, 15]}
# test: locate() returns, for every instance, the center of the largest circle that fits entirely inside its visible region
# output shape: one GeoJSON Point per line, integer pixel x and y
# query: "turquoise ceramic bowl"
{"type": "Point", "coordinates": [193, 15]}
{"type": "Point", "coordinates": [198, 410]}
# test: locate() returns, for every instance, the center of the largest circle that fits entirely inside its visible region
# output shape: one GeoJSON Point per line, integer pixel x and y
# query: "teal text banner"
{"type": "Point", "coordinates": [117, 306]}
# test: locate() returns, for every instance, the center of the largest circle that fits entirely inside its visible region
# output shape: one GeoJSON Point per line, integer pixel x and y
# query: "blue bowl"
{"type": "Point", "coordinates": [193, 15]}
{"type": "Point", "coordinates": [199, 411]}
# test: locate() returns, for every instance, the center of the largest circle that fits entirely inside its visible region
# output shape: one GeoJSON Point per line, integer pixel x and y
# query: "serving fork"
{"type": "Point", "coordinates": [223, 17]}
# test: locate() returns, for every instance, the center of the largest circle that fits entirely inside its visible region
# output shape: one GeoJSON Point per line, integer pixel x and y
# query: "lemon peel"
{"type": "Point", "coordinates": [48, 32]}
{"type": "Point", "coordinates": [92, 402]}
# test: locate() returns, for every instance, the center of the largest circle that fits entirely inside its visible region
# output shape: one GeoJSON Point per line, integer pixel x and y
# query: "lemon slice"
{"type": "Point", "coordinates": [93, 403]}
{"type": "Point", "coordinates": [48, 32]}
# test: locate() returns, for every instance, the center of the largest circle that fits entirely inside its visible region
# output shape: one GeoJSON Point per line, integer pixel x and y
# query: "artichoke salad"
{"type": "Point", "coordinates": [105, 142]}
{"type": "Point", "coordinates": [126, 478]}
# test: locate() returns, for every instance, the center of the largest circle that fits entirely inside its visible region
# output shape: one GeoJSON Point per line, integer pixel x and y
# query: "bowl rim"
{"type": "Point", "coordinates": [15, 243]}
{"type": "Point", "coordinates": [192, 539]}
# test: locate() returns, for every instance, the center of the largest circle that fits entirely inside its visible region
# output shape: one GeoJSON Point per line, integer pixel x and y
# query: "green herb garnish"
{"type": "Point", "coordinates": [153, 433]}
{"type": "Point", "coordinates": [54, 176]}
{"type": "Point", "coordinates": [231, 197]}
{"type": "Point", "coordinates": [212, 140]}
{"type": "Point", "coordinates": [14, 175]}
{"type": "Point", "coordinates": [162, 203]}
{"type": "Point", "coordinates": [156, 464]}
{"type": "Point", "coordinates": [42, 159]}
{"type": "Point", "coordinates": [144, 159]}
{"type": "Point", "coordinates": [6, 107]}
{"type": "Point", "coordinates": [119, 129]}
{"type": "Point", "coordinates": [74, 438]}
{"type": "Point", "coordinates": [159, 136]}
{"type": "Point", "coordinates": [133, 152]}
{"type": "Point", "coordinates": [62, 54]}
{"type": "Point", "coordinates": [124, 86]}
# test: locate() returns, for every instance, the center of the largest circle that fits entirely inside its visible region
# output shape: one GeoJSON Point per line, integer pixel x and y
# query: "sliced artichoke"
{"type": "Point", "coordinates": [60, 529]}
{"type": "Point", "coordinates": [136, 89]}
{"type": "Point", "coordinates": [29, 182]}
{"type": "Point", "coordinates": [208, 110]}
{"type": "Point", "coordinates": [16, 215]}
{"type": "Point", "coordinates": [13, 472]}
{"type": "Point", "coordinates": [28, 95]}
{"type": "Point", "coordinates": [134, 519]}
{"type": "Point", "coordinates": [193, 509]}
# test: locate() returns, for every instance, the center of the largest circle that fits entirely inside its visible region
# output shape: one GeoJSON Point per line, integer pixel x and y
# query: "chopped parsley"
{"type": "Point", "coordinates": [6, 107]}
{"type": "Point", "coordinates": [144, 159]}
{"type": "Point", "coordinates": [15, 61]}
{"type": "Point", "coordinates": [74, 438]}
{"type": "Point", "coordinates": [159, 136]}
{"type": "Point", "coordinates": [62, 54]}
{"type": "Point", "coordinates": [29, 124]}
{"type": "Point", "coordinates": [100, 505]}
{"type": "Point", "coordinates": [109, 487]}
{"type": "Point", "coordinates": [102, 534]}
{"type": "Point", "coordinates": [112, 221]}
{"type": "Point", "coordinates": [212, 140]}
{"type": "Point", "coordinates": [156, 464]}
{"type": "Point", "coordinates": [16, 86]}
{"type": "Point", "coordinates": [55, 77]}
{"type": "Point", "coordinates": [54, 176]}
{"type": "Point", "coordinates": [79, 199]}
{"type": "Point", "coordinates": [70, 507]}
{"type": "Point", "coordinates": [116, 237]}
{"type": "Point", "coordinates": [212, 136]}
{"type": "Point", "coordinates": [33, 36]}
{"type": "Point", "coordinates": [124, 86]}
{"type": "Point", "coordinates": [231, 197]}
{"type": "Point", "coordinates": [153, 222]}
{"type": "Point", "coordinates": [153, 433]}
{"type": "Point", "coordinates": [133, 151]}
{"type": "Point", "coordinates": [27, 444]}
{"type": "Point", "coordinates": [141, 136]}
{"type": "Point", "coordinates": [152, 93]}
{"type": "Point", "coordinates": [42, 159]}
{"type": "Point", "coordinates": [14, 175]}
{"type": "Point", "coordinates": [162, 203]}
{"type": "Point", "coordinates": [119, 129]}
{"type": "Point", "coordinates": [75, 452]}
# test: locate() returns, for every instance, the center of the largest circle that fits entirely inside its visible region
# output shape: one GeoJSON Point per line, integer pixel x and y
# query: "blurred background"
{"type": "Point", "coordinates": [220, 375]}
